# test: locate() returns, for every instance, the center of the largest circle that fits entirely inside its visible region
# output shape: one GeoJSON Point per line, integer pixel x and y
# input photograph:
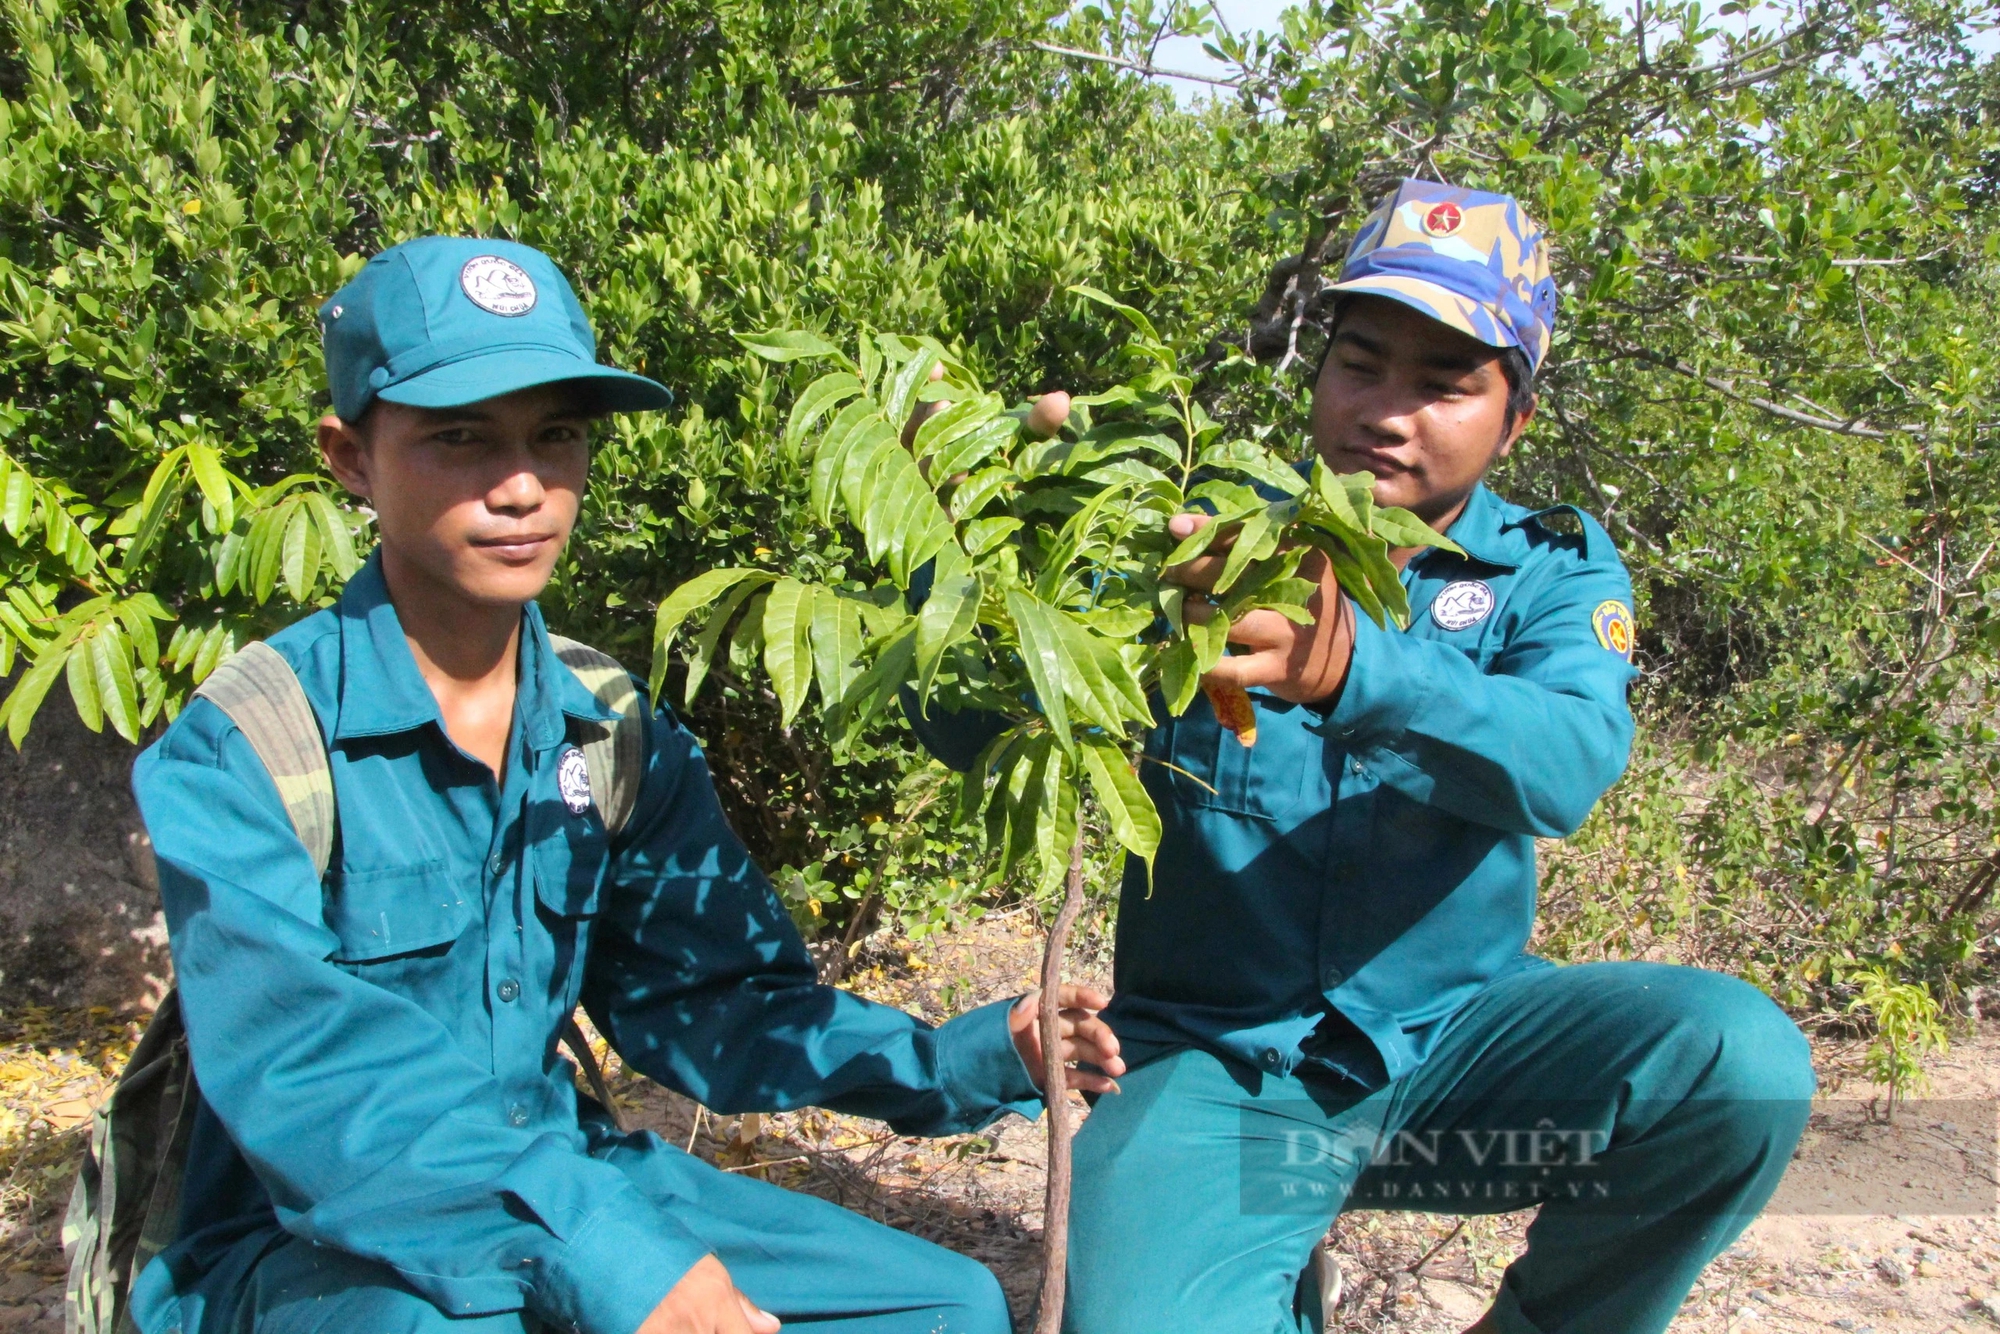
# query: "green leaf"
{"type": "Point", "coordinates": [837, 642]}
{"type": "Point", "coordinates": [788, 345]}
{"type": "Point", "coordinates": [1201, 539]}
{"type": "Point", "coordinates": [336, 540]}
{"type": "Point", "coordinates": [111, 669]}
{"type": "Point", "coordinates": [819, 398]}
{"type": "Point", "coordinates": [1211, 640]}
{"type": "Point", "coordinates": [973, 448]}
{"type": "Point", "coordinates": [216, 647]}
{"type": "Point", "coordinates": [788, 645]}
{"type": "Point", "coordinates": [1180, 674]}
{"type": "Point", "coordinates": [683, 601]}
{"type": "Point", "coordinates": [1041, 652]}
{"type": "Point", "coordinates": [978, 491]}
{"type": "Point", "coordinates": [206, 465]}
{"type": "Point", "coordinates": [17, 503]}
{"type": "Point", "coordinates": [873, 689]}
{"type": "Point", "coordinates": [82, 675]}
{"type": "Point", "coordinates": [702, 656]}
{"type": "Point", "coordinates": [1135, 821]}
{"type": "Point", "coordinates": [163, 494]}
{"type": "Point", "coordinates": [831, 455]}
{"type": "Point", "coordinates": [953, 423]}
{"type": "Point", "coordinates": [947, 616]}
{"type": "Point", "coordinates": [904, 384]}
{"type": "Point", "coordinates": [872, 442]}
{"type": "Point", "coordinates": [266, 548]}
{"type": "Point", "coordinates": [982, 535]}
{"type": "Point", "coordinates": [301, 557]}
{"type": "Point", "coordinates": [1250, 545]}
{"type": "Point", "coordinates": [28, 692]}
{"type": "Point", "coordinates": [1400, 528]}
{"type": "Point", "coordinates": [1137, 318]}
{"type": "Point", "coordinates": [1253, 461]}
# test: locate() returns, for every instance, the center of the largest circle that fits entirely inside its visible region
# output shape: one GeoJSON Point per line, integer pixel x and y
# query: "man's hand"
{"type": "Point", "coordinates": [1085, 1037]}
{"type": "Point", "coordinates": [1306, 664]}
{"type": "Point", "coordinates": [706, 1302]}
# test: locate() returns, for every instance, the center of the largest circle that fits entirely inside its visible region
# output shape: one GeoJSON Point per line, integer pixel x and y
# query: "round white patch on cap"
{"type": "Point", "coordinates": [573, 780]}
{"type": "Point", "coordinates": [1463, 604]}
{"type": "Point", "coordinates": [497, 285]}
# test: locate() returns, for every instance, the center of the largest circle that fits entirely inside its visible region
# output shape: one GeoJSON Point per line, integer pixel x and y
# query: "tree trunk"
{"type": "Point", "coordinates": [1055, 1211]}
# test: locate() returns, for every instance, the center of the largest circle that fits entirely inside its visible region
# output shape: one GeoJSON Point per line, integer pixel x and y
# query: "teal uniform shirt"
{"type": "Point", "coordinates": [376, 1049]}
{"type": "Point", "coordinates": [1337, 891]}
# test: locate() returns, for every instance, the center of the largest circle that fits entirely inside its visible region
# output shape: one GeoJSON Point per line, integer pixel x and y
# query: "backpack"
{"type": "Point", "coordinates": [125, 1207]}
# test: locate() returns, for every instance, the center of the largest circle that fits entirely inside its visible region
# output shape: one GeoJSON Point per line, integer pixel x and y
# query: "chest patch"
{"type": "Point", "coordinates": [573, 780]}
{"type": "Point", "coordinates": [1463, 604]}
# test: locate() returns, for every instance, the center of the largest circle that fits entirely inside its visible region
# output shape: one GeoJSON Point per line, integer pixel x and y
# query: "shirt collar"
{"type": "Point", "coordinates": [1484, 530]}
{"type": "Point", "coordinates": [382, 692]}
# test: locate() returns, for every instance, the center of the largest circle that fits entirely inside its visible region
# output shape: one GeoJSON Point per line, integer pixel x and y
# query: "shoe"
{"type": "Point", "coordinates": [1327, 1270]}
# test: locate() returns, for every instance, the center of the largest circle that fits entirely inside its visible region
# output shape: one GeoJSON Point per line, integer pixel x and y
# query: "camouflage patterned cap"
{"type": "Point", "coordinates": [1465, 258]}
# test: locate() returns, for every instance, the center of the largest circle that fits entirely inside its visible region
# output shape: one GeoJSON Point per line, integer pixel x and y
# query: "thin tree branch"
{"type": "Point", "coordinates": [1146, 68]}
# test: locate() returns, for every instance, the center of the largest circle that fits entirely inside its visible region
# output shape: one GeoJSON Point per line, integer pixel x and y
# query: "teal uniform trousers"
{"type": "Point", "coordinates": [1648, 1110]}
{"type": "Point", "coordinates": [388, 1140]}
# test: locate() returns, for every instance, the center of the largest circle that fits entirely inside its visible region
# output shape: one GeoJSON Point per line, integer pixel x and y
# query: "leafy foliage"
{"type": "Point", "coordinates": [1039, 562]}
{"type": "Point", "coordinates": [1773, 375]}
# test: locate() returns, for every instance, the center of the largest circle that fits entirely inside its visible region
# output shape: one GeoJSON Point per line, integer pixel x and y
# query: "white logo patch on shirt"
{"type": "Point", "coordinates": [1463, 604]}
{"type": "Point", "coordinates": [573, 780]}
{"type": "Point", "coordinates": [498, 286]}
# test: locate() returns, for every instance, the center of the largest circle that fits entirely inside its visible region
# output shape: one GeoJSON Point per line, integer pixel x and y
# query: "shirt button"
{"type": "Point", "coordinates": [517, 1115]}
{"type": "Point", "coordinates": [495, 863]}
{"type": "Point", "coordinates": [1333, 977]}
{"type": "Point", "coordinates": [508, 990]}
{"type": "Point", "coordinates": [1271, 1058]}
{"type": "Point", "coordinates": [1354, 767]}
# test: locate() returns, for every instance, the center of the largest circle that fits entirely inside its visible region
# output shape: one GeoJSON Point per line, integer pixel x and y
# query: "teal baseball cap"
{"type": "Point", "coordinates": [443, 321]}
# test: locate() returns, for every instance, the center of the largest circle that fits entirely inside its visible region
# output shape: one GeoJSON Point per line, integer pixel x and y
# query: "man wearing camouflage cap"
{"type": "Point", "coordinates": [1325, 997]}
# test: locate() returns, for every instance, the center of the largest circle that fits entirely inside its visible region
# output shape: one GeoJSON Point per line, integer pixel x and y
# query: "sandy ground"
{"type": "Point", "coordinates": [1802, 1268]}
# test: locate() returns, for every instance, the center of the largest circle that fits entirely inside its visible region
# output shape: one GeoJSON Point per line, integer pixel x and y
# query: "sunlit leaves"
{"type": "Point", "coordinates": [1032, 589]}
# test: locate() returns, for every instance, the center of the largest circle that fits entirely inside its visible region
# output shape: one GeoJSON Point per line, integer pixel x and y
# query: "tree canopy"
{"type": "Point", "coordinates": [1772, 377]}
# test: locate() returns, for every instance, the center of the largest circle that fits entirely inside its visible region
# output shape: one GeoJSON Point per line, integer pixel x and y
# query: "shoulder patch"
{"type": "Point", "coordinates": [1462, 605]}
{"type": "Point", "coordinates": [1613, 622]}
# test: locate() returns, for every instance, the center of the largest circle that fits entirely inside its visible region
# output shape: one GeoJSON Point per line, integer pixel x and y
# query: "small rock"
{"type": "Point", "coordinates": [1761, 1295]}
{"type": "Point", "coordinates": [1748, 1313]}
{"type": "Point", "coordinates": [1926, 1269]}
{"type": "Point", "coordinates": [1989, 1306]}
{"type": "Point", "coordinates": [1892, 1270]}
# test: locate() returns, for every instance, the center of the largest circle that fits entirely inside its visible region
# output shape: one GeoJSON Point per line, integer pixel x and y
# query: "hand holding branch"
{"type": "Point", "coordinates": [1085, 1038]}
{"type": "Point", "coordinates": [1306, 664]}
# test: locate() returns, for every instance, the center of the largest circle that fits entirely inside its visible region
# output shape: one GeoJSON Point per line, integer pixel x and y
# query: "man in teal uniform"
{"type": "Point", "coordinates": [1325, 994]}
{"type": "Point", "coordinates": [388, 1141]}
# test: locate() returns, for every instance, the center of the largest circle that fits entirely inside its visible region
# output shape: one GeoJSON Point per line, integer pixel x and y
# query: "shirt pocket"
{"type": "Point", "coordinates": [380, 914]}
{"type": "Point", "coordinates": [569, 864]}
{"type": "Point", "coordinates": [1214, 771]}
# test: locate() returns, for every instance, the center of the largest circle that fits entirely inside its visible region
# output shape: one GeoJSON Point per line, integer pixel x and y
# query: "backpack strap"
{"type": "Point", "coordinates": [261, 694]}
{"type": "Point", "coordinates": [616, 755]}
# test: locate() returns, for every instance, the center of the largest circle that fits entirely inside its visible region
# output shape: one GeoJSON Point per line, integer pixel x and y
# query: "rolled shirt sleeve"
{"type": "Point", "coordinates": [1525, 743]}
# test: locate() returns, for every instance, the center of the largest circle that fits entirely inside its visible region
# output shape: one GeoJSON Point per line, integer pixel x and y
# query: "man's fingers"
{"type": "Point", "coordinates": [756, 1317]}
{"type": "Point", "coordinates": [1183, 526]}
{"type": "Point", "coordinates": [1089, 1081]}
{"type": "Point", "coordinates": [1081, 996]}
{"type": "Point", "coordinates": [1245, 670]}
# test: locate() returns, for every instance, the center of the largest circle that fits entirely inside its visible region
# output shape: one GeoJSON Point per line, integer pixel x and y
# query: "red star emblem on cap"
{"type": "Point", "coordinates": [1443, 220]}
